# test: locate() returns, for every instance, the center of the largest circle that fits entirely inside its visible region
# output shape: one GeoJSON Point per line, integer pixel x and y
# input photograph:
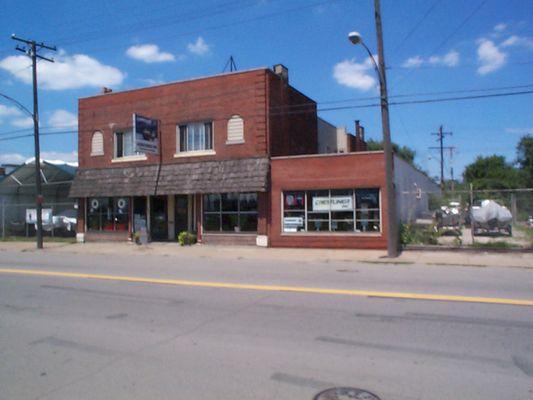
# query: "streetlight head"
{"type": "Point", "coordinates": [355, 37]}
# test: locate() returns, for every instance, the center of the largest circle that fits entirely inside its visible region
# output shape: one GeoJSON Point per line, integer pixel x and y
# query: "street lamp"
{"type": "Point", "coordinates": [392, 228]}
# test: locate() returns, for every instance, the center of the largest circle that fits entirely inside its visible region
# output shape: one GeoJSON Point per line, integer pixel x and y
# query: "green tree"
{"type": "Point", "coordinates": [492, 173]}
{"type": "Point", "coordinates": [524, 152]}
{"type": "Point", "coordinates": [403, 152]}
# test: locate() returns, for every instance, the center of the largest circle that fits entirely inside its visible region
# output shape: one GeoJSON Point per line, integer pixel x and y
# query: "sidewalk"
{"type": "Point", "coordinates": [477, 259]}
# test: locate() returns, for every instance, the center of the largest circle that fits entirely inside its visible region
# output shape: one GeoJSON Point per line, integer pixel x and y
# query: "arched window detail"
{"type": "Point", "coordinates": [97, 144]}
{"type": "Point", "coordinates": [235, 130]}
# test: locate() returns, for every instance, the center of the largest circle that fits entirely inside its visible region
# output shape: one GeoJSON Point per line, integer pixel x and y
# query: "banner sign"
{"type": "Point", "coordinates": [31, 215]}
{"type": "Point", "coordinates": [335, 203]}
{"type": "Point", "coordinates": [145, 131]}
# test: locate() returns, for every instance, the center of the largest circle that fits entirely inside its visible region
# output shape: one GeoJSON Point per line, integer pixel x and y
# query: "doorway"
{"type": "Point", "coordinates": [182, 213]}
{"type": "Point", "coordinates": [158, 218]}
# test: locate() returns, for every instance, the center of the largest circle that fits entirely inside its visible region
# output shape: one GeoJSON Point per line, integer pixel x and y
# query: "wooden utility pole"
{"type": "Point", "coordinates": [440, 138]}
{"type": "Point", "coordinates": [31, 51]}
{"type": "Point", "coordinates": [393, 231]}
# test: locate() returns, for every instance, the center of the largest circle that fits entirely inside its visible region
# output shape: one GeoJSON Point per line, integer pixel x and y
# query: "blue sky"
{"type": "Point", "coordinates": [431, 46]}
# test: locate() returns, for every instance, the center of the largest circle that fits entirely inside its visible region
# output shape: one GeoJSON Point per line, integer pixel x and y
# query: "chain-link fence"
{"type": "Point", "coordinates": [19, 219]}
{"type": "Point", "coordinates": [475, 218]}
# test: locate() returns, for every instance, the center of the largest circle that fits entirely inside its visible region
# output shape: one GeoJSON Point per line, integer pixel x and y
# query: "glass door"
{"type": "Point", "coordinates": [158, 218]}
{"type": "Point", "coordinates": [182, 213]}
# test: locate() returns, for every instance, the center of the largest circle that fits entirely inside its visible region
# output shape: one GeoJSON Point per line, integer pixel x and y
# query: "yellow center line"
{"type": "Point", "coordinates": [274, 288]}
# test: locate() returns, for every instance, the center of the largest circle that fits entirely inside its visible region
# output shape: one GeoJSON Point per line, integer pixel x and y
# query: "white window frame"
{"type": "Point", "coordinates": [187, 153]}
{"type": "Point", "coordinates": [305, 231]}
{"type": "Point", "coordinates": [136, 156]}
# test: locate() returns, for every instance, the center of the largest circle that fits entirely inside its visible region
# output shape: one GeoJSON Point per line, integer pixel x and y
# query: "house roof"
{"type": "Point", "coordinates": [22, 178]}
{"type": "Point", "coordinates": [243, 175]}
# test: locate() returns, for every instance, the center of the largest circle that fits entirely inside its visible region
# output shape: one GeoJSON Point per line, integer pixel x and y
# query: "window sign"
{"type": "Point", "coordinates": [293, 224]}
{"type": "Point", "coordinates": [335, 203]}
{"type": "Point", "coordinates": [146, 134]}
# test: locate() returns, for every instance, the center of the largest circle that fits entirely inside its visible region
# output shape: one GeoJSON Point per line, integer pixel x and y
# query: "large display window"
{"type": "Point", "coordinates": [336, 210]}
{"type": "Point", "coordinates": [108, 213]}
{"type": "Point", "coordinates": [230, 212]}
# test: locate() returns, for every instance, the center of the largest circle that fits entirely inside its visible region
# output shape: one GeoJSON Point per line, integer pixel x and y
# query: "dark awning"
{"type": "Point", "coordinates": [243, 175]}
{"type": "Point", "coordinates": [103, 182]}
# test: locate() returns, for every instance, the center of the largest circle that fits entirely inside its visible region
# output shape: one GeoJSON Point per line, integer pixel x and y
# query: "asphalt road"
{"type": "Point", "coordinates": [74, 338]}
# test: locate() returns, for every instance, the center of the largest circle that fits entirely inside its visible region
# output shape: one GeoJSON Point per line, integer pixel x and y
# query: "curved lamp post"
{"type": "Point", "coordinates": [392, 222]}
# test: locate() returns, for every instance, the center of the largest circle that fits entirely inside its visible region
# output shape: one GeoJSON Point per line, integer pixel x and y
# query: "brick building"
{"type": "Point", "coordinates": [237, 164]}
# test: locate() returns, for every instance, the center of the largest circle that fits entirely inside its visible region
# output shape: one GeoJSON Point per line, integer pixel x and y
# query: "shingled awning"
{"type": "Point", "coordinates": [243, 175]}
{"type": "Point", "coordinates": [104, 182]}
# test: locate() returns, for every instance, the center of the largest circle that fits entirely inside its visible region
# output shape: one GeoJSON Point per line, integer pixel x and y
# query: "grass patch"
{"type": "Point", "coordinates": [495, 245]}
{"type": "Point", "coordinates": [46, 239]}
{"type": "Point", "coordinates": [528, 232]}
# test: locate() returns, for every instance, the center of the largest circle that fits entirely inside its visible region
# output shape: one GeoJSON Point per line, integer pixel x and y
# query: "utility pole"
{"type": "Point", "coordinates": [393, 231]}
{"type": "Point", "coordinates": [31, 51]}
{"type": "Point", "coordinates": [440, 138]}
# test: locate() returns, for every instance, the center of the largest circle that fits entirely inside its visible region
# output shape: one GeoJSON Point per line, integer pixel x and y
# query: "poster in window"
{"type": "Point", "coordinates": [333, 203]}
{"type": "Point", "coordinates": [145, 131]}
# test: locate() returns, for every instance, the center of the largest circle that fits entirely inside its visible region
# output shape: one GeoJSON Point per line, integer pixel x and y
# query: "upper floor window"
{"type": "Point", "coordinates": [235, 130]}
{"type": "Point", "coordinates": [124, 144]}
{"type": "Point", "coordinates": [97, 144]}
{"type": "Point", "coordinates": [197, 136]}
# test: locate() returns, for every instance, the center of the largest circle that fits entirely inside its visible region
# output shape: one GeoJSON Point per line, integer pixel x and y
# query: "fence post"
{"type": "Point", "coordinates": [3, 218]}
{"type": "Point", "coordinates": [513, 207]}
{"type": "Point", "coordinates": [471, 205]}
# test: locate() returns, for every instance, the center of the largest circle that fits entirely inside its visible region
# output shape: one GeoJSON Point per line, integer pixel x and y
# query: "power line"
{"type": "Point", "coordinates": [416, 26]}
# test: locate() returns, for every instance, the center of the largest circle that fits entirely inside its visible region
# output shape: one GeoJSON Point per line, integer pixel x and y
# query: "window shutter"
{"type": "Point", "coordinates": [235, 129]}
{"type": "Point", "coordinates": [97, 144]}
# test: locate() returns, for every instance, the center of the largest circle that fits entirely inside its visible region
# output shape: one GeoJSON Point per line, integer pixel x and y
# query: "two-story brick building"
{"type": "Point", "coordinates": [237, 164]}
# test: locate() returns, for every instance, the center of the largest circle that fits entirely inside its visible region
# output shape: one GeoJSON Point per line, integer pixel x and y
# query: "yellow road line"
{"type": "Point", "coordinates": [274, 288]}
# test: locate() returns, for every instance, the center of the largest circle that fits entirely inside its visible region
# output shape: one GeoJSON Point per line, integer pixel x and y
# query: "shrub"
{"type": "Point", "coordinates": [414, 234]}
{"type": "Point", "coordinates": [186, 238]}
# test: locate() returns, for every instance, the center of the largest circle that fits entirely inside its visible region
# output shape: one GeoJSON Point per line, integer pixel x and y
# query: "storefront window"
{"type": "Point", "coordinates": [108, 214]}
{"type": "Point", "coordinates": [339, 210]}
{"type": "Point", "coordinates": [230, 212]}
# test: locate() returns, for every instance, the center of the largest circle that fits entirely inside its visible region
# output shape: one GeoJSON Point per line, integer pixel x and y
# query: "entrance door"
{"type": "Point", "coordinates": [182, 213]}
{"type": "Point", "coordinates": [158, 218]}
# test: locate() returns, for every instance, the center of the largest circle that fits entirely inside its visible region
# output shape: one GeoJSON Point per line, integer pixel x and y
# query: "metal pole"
{"type": "Point", "coordinates": [3, 218]}
{"type": "Point", "coordinates": [392, 231]}
{"type": "Point", "coordinates": [38, 187]}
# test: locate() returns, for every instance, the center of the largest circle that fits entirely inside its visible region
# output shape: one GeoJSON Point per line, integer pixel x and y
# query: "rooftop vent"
{"type": "Point", "coordinates": [106, 90]}
{"type": "Point", "coordinates": [282, 71]}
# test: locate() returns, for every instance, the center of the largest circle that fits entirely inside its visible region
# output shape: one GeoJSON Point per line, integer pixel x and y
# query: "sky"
{"type": "Point", "coordinates": [434, 49]}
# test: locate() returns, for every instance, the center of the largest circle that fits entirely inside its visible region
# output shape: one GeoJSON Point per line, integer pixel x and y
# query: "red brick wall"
{"type": "Point", "coordinates": [214, 98]}
{"type": "Point", "coordinates": [293, 128]}
{"type": "Point", "coordinates": [338, 171]}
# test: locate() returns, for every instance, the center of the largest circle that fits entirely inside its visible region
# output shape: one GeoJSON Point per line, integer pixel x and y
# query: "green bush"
{"type": "Point", "coordinates": [416, 234]}
{"type": "Point", "coordinates": [186, 238]}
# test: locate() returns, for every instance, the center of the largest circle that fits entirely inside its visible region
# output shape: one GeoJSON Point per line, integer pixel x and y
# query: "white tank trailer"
{"type": "Point", "coordinates": [490, 217]}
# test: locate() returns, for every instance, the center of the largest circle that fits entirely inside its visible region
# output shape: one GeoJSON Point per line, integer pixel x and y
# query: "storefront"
{"type": "Point", "coordinates": [215, 210]}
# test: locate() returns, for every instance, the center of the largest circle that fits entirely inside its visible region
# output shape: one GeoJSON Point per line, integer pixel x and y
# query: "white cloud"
{"type": "Point", "coordinates": [70, 157]}
{"type": "Point", "coordinates": [450, 59]}
{"type": "Point", "coordinates": [149, 53]}
{"type": "Point", "coordinates": [200, 47]}
{"type": "Point", "coordinates": [67, 72]}
{"type": "Point", "coordinates": [12, 158]}
{"type": "Point", "coordinates": [490, 57]}
{"type": "Point", "coordinates": [413, 62]}
{"type": "Point", "coordinates": [6, 111]}
{"type": "Point", "coordinates": [500, 27]}
{"type": "Point", "coordinates": [355, 75]}
{"type": "Point", "coordinates": [518, 41]}
{"type": "Point", "coordinates": [63, 119]}
{"type": "Point", "coordinates": [22, 122]}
